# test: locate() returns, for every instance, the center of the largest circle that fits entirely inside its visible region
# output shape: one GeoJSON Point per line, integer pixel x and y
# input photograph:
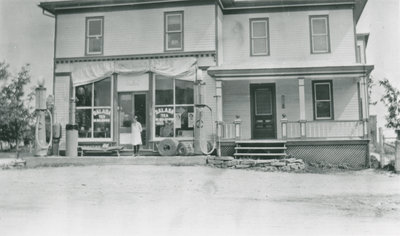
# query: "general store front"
{"type": "Point", "coordinates": [160, 92]}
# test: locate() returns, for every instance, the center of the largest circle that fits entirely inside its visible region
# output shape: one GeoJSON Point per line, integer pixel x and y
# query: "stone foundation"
{"type": "Point", "coordinates": [290, 164]}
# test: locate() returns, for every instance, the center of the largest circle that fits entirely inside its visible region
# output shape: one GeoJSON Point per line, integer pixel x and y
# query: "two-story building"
{"type": "Point", "coordinates": [276, 71]}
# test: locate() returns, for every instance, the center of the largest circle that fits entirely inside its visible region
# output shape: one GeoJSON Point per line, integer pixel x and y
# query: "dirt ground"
{"type": "Point", "coordinates": [196, 200]}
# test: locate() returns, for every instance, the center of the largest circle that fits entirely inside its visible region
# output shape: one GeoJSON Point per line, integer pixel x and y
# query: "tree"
{"type": "Point", "coordinates": [15, 114]}
{"type": "Point", "coordinates": [391, 99]}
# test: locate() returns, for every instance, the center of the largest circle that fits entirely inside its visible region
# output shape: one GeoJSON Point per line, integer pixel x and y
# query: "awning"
{"type": "Point", "coordinates": [179, 68]}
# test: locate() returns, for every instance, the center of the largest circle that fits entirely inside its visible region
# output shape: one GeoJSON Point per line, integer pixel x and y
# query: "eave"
{"type": "Point", "coordinates": [351, 71]}
{"type": "Point", "coordinates": [227, 6]}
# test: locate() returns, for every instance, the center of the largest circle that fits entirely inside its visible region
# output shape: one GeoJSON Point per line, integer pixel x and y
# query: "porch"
{"type": "Point", "coordinates": [332, 142]}
{"type": "Point", "coordinates": [315, 111]}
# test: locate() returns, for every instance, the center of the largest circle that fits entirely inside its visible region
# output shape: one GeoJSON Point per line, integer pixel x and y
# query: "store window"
{"type": "Point", "coordinates": [93, 110]}
{"type": "Point", "coordinates": [174, 107]}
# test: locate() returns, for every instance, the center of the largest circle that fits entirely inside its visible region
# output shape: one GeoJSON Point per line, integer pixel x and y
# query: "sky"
{"type": "Point", "coordinates": [27, 36]}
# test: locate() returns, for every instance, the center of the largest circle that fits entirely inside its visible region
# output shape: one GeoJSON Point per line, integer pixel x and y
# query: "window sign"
{"type": "Point", "coordinates": [174, 107]}
{"type": "Point", "coordinates": [164, 114]}
{"type": "Point", "coordinates": [102, 115]}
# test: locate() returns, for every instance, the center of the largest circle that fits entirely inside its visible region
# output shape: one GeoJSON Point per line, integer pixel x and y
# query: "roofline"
{"type": "Point", "coordinates": [355, 70]}
{"type": "Point", "coordinates": [227, 5]}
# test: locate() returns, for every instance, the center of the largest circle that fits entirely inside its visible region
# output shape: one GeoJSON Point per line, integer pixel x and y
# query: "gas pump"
{"type": "Point", "coordinates": [41, 147]}
{"type": "Point", "coordinates": [200, 140]}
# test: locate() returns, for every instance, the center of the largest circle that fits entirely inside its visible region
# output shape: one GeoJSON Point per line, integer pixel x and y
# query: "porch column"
{"type": "Point", "coordinates": [218, 123]}
{"type": "Point", "coordinates": [302, 106]}
{"type": "Point", "coordinates": [364, 104]}
{"type": "Point", "coordinates": [115, 110]}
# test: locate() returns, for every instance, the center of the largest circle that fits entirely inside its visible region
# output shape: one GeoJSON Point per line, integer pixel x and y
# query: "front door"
{"type": "Point", "coordinates": [263, 111]}
{"type": "Point", "coordinates": [129, 105]}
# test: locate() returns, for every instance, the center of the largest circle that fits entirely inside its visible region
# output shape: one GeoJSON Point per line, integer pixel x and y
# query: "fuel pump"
{"type": "Point", "coordinates": [41, 147]}
{"type": "Point", "coordinates": [201, 142]}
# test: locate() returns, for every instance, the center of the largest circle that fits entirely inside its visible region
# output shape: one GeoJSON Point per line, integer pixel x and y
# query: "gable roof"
{"type": "Point", "coordinates": [227, 5]}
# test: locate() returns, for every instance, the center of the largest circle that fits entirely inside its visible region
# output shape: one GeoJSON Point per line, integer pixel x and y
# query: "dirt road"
{"type": "Point", "coordinates": [167, 200]}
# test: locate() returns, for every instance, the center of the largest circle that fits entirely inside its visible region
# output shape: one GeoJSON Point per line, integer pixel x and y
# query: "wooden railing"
{"type": "Point", "coordinates": [229, 130]}
{"type": "Point", "coordinates": [323, 129]}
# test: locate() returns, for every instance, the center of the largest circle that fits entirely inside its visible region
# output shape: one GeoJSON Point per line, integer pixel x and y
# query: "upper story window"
{"type": "Point", "coordinates": [259, 42]}
{"type": "Point", "coordinates": [319, 34]}
{"type": "Point", "coordinates": [323, 100]}
{"type": "Point", "coordinates": [173, 31]}
{"type": "Point", "coordinates": [94, 35]}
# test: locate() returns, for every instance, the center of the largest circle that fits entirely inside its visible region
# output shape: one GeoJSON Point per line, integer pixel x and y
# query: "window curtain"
{"type": "Point", "coordinates": [179, 68]}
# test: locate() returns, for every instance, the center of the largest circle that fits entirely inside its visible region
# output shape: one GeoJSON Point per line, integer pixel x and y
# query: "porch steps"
{"type": "Point", "coordinates": [260, 149]}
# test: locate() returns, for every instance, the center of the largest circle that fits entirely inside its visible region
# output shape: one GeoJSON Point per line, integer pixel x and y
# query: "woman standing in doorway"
{"type": "Point", "coordinates": [136, 136]}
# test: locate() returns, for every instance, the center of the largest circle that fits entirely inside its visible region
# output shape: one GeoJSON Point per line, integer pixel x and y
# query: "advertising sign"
{"type": "Point", "coordinates": [102, 115]}
{"type": "Point", "coordinates": [164, 115]}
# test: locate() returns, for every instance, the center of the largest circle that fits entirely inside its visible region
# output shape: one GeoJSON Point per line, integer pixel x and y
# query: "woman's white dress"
{"type": "Point", "coordinates": [135, 133]}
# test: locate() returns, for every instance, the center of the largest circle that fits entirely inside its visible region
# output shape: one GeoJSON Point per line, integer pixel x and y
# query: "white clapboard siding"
{"type": "Point", "coordinates": [136, 31]}
{"type": "Point", "coordinates": [290, 38]}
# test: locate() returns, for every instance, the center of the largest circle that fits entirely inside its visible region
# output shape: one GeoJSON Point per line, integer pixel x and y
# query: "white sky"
{"type": "Point", "coordinates": [27, 36]}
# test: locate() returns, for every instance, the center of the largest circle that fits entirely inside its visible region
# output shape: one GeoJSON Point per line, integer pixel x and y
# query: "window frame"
{"type": "Point", "coordinates": [315, 101]}
{"type": "Point", "coordinates": [87, 37]}
{"type": "Point", "coordinates": [267, 38]}
{"type": "Point", "coordinates": [92, 107]}
{"type": "Point", "coordinates": [327, 35]}
{"type": "Point", "coordinates": [166, 32]}
{"type": "Point", "coordinates": [174, 106]}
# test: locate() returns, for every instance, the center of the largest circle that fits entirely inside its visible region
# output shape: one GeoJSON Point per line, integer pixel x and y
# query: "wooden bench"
{"type": "Point", "coordinates": [82, 150]}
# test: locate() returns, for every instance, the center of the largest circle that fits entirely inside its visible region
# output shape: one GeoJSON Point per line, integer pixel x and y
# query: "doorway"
{"type": "Point", "coordinates": [132, 104]}
{"type": "Point", "coordinates": [263, 111]}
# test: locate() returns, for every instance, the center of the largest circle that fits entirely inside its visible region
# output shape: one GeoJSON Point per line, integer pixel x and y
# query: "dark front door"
{"type": "Point", "coordinates": [263, 111]}
{"type": "Point", "coordinates": [131, 104]}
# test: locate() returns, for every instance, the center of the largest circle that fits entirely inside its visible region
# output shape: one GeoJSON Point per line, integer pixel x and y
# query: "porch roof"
{"type": "Point", "coordinates": [227, 72]}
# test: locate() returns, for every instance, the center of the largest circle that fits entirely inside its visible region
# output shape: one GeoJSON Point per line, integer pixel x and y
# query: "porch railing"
{"type": "Point", "coordinates": [323, 129]}
{"type": "Point", "coordinates": [229, 130]}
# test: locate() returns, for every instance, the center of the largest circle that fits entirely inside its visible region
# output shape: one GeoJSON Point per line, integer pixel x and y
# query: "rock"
{"type": "Point", "coordinates": [231, 163]}
{"type": "Point", "coordinates": [270, 168]}
{"type": "Point", "coordinates": [284, 168]}
{"type": "Point", "coordinates": [242, 166]}
{"type": "Point", "coordinates": [278, 164]}
{"type": "Point", "coordinates": [215, 162]}
{"type": "Point", "coordinates": [247, 162]}
{"type": "Point", "coordinates": [263, 163]}
{"type": "Point", "coordinates": [374, 162]}
{"type": "Point", "coordinates": [291, 160]}
{"type": "Point", "coordinates": [293, 166]}
{"type": "Point", "coordinates": [227, 158]}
